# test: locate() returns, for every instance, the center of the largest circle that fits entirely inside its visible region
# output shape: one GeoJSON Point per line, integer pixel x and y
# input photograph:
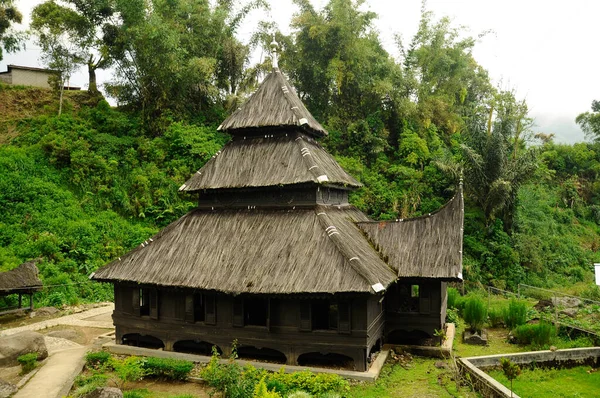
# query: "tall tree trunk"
{"type": "Point", "coordinates": [92, 87]}
{"type": "Point", "coordinates": [60, 102]}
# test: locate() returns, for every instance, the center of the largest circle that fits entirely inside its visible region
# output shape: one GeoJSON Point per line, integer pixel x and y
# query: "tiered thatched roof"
{"type": "Point", "coordinates": [286, 159]}
{"type": "Point", "coordinates": [317, 250]}
{"type": "Point", "coordinates": [24, 278]}
{"type": "Point", "coordinates": [429, 246]}
{"type": "Point", "coordinates": [274, 105]}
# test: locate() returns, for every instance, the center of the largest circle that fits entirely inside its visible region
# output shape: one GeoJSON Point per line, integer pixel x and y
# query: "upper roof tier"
{"type": "Point", "coordinates": [267, 161]}
{"type": "Point", "coordinates": [274, 105]}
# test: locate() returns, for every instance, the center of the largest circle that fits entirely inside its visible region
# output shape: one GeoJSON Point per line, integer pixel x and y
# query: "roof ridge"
{"type": "Point", "coordinates": [354, 261]}
{"type": "Point", "coordinates": [313, 167]}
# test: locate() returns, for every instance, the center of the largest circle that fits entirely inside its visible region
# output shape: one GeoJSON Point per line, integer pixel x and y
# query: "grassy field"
{"type": "Point", "coordinates": [580, 382]}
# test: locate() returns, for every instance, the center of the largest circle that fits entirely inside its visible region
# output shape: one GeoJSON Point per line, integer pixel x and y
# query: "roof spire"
{"type": "Point", "coordinates": [274, 48]}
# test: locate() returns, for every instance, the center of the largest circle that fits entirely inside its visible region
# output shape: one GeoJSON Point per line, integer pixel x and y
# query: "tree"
{"type": "Point", "coordinates": [177, 57]}
{"type": "Point", "coordinates": [496, 161]}
{"type": "Point", "coordinates": [511, 370]}
{"type": "Point", "coordinates": [590, 122]}
{"type": "Point", "coordinates": [81, 23]}
{"type": "Point", "coordinates": [9, 14]}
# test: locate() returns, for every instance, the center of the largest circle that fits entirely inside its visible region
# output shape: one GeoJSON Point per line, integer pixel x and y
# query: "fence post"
{"type": "Point", "coordinates": [519, 291]}
{"type": "Point", "coordinates": [489, 289]}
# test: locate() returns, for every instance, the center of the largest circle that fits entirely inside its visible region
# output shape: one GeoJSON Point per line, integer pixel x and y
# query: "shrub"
{"type": "Point", "coordinates": [28, 362]}
{"type": "Point", "coordinates": [87, 384]}
{"type": "Point", "coordinates": [454, 298]}
{"type": "Point", "coordinates": [315, 384]}
{"type": "Point", "coordinates": [452, 316]}
{"type": "Point", "coordinates": [129, 369]}
{"type": "Point", "coordinates": [496, 316]}
{"type": "Point", "coordinates": [475, 313]}
{"type": "Point", "coordinates": [173, 369]}
{"type": "Point", "coordinates": [538, 335]}
{"type": "Point", "coordinates": [97, 359]}
{"type": "Point", "coordinates": [299, 394]}
{"type": "Point", "coordinates": [516, 313]}
{"type": "Point", "coordinates": [261, 391]}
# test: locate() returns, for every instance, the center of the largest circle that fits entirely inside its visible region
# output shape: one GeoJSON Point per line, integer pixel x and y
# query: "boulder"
{"type": "Point", "coordinates": [105, 392]}
{"type": "Point", "coordinates": [570, 312]}
{"type": "Point", "coordinates": [566, 302]}
{"type": "Point", "coordinates": [7, 389]}
{"type": "Point", "coordinates": [13, 346]}
{"type": "Point", "coordinates": [543, 304]}
{"type": "Point", "coordinates": [44, 311]}
{"type": "Point", "coordinates": [68, 334]}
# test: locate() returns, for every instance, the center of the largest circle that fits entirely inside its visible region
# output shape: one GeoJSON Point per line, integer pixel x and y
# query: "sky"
{"type": "Point", "coordinates": [542, 49]}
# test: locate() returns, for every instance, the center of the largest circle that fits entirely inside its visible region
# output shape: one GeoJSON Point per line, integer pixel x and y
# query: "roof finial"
{"type": "Point", "coordinates": [274, 48]}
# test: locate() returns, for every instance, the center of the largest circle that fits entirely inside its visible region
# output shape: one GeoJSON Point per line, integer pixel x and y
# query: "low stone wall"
{"type": "Point", "coordinates": [472, 367]}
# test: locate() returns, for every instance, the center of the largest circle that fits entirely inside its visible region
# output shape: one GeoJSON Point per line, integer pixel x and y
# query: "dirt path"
{"type": "Point", "coordinates": [66, 358]}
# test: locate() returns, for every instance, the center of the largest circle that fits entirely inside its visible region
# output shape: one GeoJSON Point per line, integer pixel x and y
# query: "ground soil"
{"type": "Point", "coordinates": [85, 335]}
{"type": "Point", "coordinates": [10, 321]}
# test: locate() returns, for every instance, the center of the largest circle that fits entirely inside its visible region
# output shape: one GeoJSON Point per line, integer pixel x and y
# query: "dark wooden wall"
{"type": "Point", "coordinates": [360, 326]}
{"type": "Point", "coordinates": [418, 319]}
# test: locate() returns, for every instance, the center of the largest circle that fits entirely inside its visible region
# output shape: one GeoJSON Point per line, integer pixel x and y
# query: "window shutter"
{"type": "Point", "coordinates": [154, 304]}
{"type": "Point", "coordinates": [238, 312]}
{"type": "Point", "coordinates": [135, 300]}
{"type": "Point", "coordinates": [344, 324]}
{"type": "Point", "coordinates": [305, 323]}
{"type": "Point", "coordinates": [189, 308]}
{"type": "Point", "coordinates": [210, 312]}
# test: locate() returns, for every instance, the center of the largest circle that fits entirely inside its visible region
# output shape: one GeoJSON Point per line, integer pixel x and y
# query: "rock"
{"type": "Point", "coordinates": [440, 365]}
{"type": "Point", "coordinates": [46, 311]}
{"type": "Point", "coordinates": [566, 302]}
{"type": "Point", "coordinates": [543, 304]}
{"type": "Point", "coordinates": [13, 346]}
{"type": "Point", "coordinates": [553, 348]}
{"type": "Point", "coordinates": [7, 389]}
{"type": "Point", "coordinates": [69, 334]}
{"type": "Point", "coordinates": [105, 392]}
{"type": "Point", "coordinates": [570, 312]}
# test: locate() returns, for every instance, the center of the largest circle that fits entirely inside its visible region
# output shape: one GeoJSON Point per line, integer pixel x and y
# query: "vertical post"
{"type": "Point", "coordinates": [489, 289]}
{"type": "Point", "coordinates": [519, 290]}
{"type": "Point", "coordinates": [31, 301]}
{"type": "Point", "coordinates": [20, 300]}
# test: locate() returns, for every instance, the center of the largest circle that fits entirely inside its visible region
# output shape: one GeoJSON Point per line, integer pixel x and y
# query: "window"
{"type": "Point", "coordinates": [409, 298]}
{"type": "Point", "coordinates": [325, 315]}
{"type": "Point", "coordinates": [144, 302]}
{"type": "Point", "coordinates": [200, 307]}
{"type": "Point", "coordinates": [256, 311]}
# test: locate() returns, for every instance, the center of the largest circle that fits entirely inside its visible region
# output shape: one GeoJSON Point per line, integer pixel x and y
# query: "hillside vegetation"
{"type": "Point", "coordinates": [80, 189]}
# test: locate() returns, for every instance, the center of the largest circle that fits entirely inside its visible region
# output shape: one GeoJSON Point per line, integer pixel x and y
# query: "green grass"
{"type": "Point", "coordinates": [574, 382]}
{"type": "Point", "coordinates": [420, 378]}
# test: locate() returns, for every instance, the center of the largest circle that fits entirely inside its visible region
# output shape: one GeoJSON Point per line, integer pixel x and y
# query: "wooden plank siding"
{"type": "Point", "coordinates": [171, 322]}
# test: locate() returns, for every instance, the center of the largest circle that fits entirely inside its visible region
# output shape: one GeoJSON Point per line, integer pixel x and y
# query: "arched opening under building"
{"type": "Point", "coordinates": [261, 354]}
{"type": "Point", "coordinates": [412, 337]}
{"type": "Point", "coordinates": [330, 360]}
{"type": "Point", "coordinates": [196, 347]}
{"type": "Point", "coordinates": [145, 341]}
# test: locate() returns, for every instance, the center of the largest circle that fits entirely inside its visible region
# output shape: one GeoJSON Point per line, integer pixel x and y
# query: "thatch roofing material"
{"type": "Point", "coordinates": [257, 251]}
{"type": "Point", "coordinates": [428, 246]}
{"type": "Point", "coordinates": [292, 158]}
{"type": "Point", "coordinates": [274, 104]}
{"type": "Point", "coordinates": [22, 278]}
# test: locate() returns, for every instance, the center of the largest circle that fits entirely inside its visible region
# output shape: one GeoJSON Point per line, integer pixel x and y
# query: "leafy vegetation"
{"type": "Point", "coordinates": [28, 362]}
{"type": "Point", "coordinates": [80, 189]}
{"type": "Point", "coordinates": [475, 313]}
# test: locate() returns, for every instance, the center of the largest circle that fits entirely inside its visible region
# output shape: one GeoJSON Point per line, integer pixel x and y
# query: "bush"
{"type": "Point", "coordinates": [454, 298]}
{"type": "Point", "coordinates": [97, 359]}
{"type": "Point", "coordinates": [475, 313]}
{"type": "Point", "coordinates": [129, 369]}
{"type": "Point", "coordinates": [516, 313]}
{"type": "Point", "coordinates": [28, 362]}
{"type": "Point", "coordinates": [261, 391]}
{"type": "Point", "coordinates": [168, 368]}
{"type": "Point", "coordinates": [496, 316]}
{"type": "Point", "coordinates": [537, 335]}
{"type": "Point", "coordinates": [87, 384]}
{"type": "Point", "coordinates": [452, 316]}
